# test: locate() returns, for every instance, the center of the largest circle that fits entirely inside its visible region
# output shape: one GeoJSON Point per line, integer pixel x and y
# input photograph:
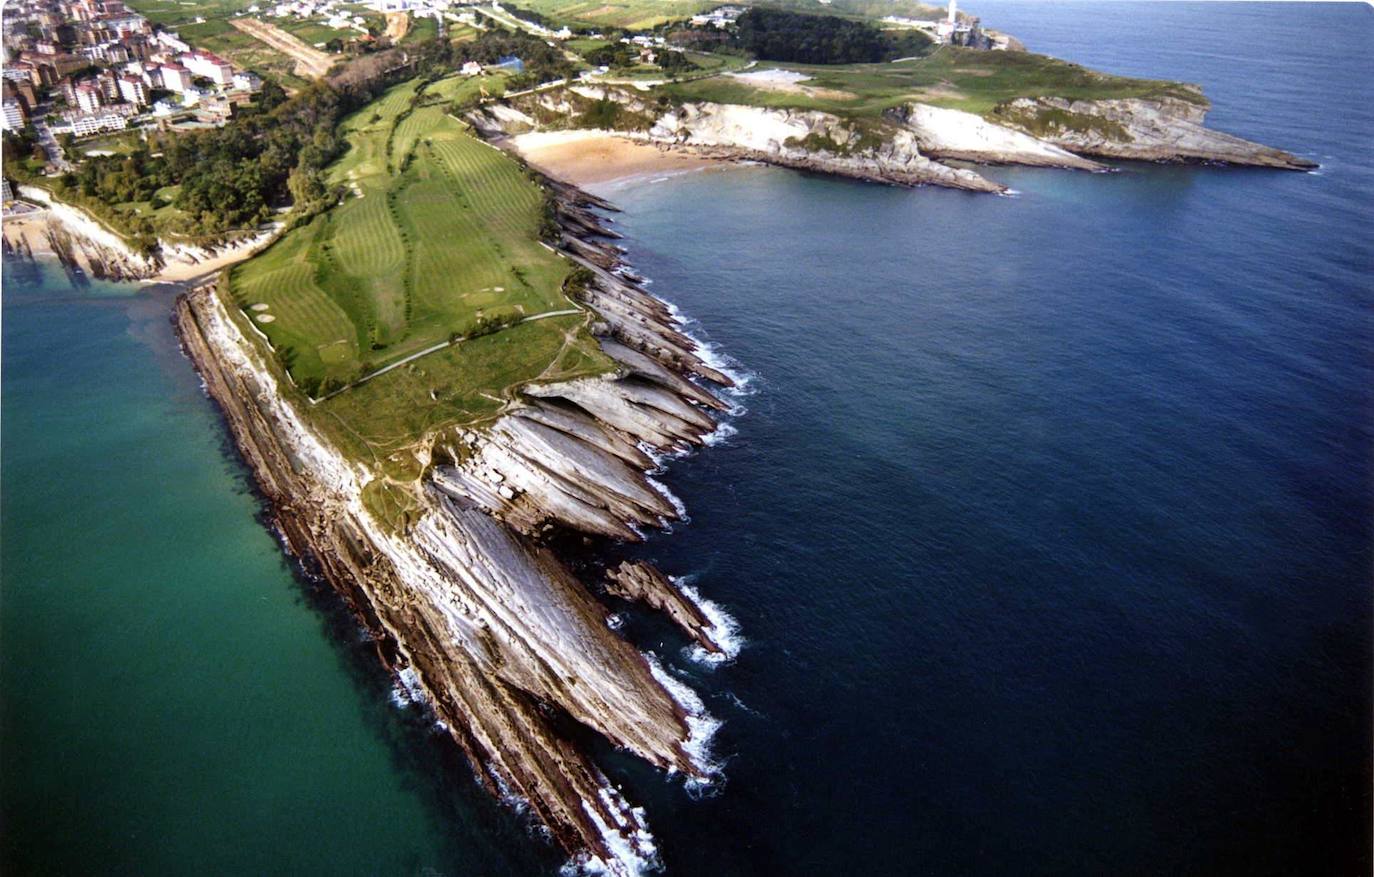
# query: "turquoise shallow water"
{"type": "Point", "coordinates": [1048, 526]}
{"type": "Point", "coordinates": [174, 700]}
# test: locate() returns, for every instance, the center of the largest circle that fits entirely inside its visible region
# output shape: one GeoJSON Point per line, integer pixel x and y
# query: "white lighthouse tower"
{"type": "Point", "coordinates": [944, 31]}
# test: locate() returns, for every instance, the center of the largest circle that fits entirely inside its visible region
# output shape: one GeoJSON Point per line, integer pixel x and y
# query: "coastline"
{"type": "Point", "coordinates": [588, 157]}
{"type": "Point", "coordinates": [468, 606]}
{"type": "Point", "coordinates": [178, 264]}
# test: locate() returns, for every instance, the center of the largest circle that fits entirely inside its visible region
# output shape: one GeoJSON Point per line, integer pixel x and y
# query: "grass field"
{"type": "Point", "coordinates": [314, 33]}
{"type": "Point", "coordinates": [950, 77]}
{"type": "Point", "coordinates": [633, 14]}
{"type": "Point", "coordinates": [436, 240]}
{"type": "Point", "coordinates": [174, 13]}
{"type": "Point", "coordinates": [243, 51]}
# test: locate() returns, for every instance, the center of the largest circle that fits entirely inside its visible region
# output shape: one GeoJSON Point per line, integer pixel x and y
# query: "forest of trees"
{"type": "Point", "coordinates": [772, 35]}
{"type": "Point", "coordinates": [543, 62]}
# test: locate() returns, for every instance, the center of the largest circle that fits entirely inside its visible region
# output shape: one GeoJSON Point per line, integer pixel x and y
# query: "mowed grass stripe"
{"type": "Point", "coordinates": [405, 262]}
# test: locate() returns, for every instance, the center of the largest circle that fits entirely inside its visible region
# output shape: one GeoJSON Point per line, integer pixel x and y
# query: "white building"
{"type": "Point", "coordinates": [134, 90]}
{"type": "Point", "coordinates": [88, 98]}
{"type": "Point", "coordinates": [212, 67]}
{"type": "Point", "coordinates": [14, 115]}
{"type": "Point", "coordinates": [248, 81]}
{"type": "Point", "coordinates": [175, 77]}
{"type": "Point", "coordinates": [172, 41]}
{"type": "Point", "coordinates": [94, 123]}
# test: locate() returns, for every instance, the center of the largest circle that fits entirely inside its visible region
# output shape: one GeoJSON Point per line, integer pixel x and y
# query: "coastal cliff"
{"type": "Point", "coordinates": [801, 139]}
{"type": "Point", "coordinates": [80, 240]}
{"type": "Point", "coordinates": [467, 603]}
{"type": "Point", "coordinates": [1159, 129]}
{"type": "Point", "coordinates": [910, 144]}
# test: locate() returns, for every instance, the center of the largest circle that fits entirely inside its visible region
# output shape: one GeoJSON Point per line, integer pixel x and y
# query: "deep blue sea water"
{"type": "Point", "coordinates": [1048, 526]}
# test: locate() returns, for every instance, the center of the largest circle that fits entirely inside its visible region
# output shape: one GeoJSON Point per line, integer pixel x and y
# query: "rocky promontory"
{"type": "Point", "coordinates": [467, 602]}
{"type": "Point", "coordinates": [910, 144]}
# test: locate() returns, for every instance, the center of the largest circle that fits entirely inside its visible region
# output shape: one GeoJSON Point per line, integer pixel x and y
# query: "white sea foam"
{"type": "Point", "coordinates": [722, 432]}
{"type": "Point", "coordinates": [632, 848]}
{"type": "Point", "coordinates": [726, 365]}
{"type": "Point", "coordinates": [701, 727]}
{"type": "Point", "coordinates": [407, 689]}
{"type": "Point", "coordinates": [678, 505]}
{"type": "Point", "coordinates": [733, 698]}
{"type": "Point", "coordinates": [724, 629]}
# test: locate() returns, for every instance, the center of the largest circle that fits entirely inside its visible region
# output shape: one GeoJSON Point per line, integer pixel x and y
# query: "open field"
{"type": "Point", "coordinates": [315, 33]}
{"type": "Point", "coordinates": [634, 14]}
{"type": "Point", "coordinates": [175, 13]}
{"type": "Point", "coordinates": [436, 241]}
{"type": "Point", "coordinates": [949, 77]}
{"type": "Point", "coordinates": [242, 50]}
{"type": "Point", "coordinates": [310, 62]}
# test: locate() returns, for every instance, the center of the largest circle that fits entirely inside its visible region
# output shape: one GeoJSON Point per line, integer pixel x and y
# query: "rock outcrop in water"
{"type": "Point", "coordinates": [468, 605]}
{"type": "Point", "coordinates": [643, 583]}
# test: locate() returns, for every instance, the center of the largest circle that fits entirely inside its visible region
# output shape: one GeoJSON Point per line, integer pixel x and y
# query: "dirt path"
{"type": "Point", "coordinates": [397, 25]}
{"type": "Point", "coordinates": [311, 63]}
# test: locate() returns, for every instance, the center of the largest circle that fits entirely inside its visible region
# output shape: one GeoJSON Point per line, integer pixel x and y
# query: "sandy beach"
{"type": "Point", "coordinates": [587, 157]}
{"type": "Point", "coordinates": [31, 228]}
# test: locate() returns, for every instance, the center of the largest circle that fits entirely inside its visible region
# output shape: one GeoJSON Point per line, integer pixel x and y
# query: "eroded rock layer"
{"type": "Point", "coordinates": [467, 604]}
{"type": "Point", "coordinates": [643, 583]}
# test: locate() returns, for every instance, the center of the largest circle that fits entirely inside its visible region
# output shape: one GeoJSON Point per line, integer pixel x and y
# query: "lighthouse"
{"type": "Point", "coordinates": [944, 30]}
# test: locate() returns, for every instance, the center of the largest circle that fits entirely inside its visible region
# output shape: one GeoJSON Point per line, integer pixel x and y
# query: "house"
{"type": "Point", "coordinates": [471, 68]}
{"type": "Point", "coordinates": [248, 81]}
{"type": "Point", "coordinates": [214, 110]}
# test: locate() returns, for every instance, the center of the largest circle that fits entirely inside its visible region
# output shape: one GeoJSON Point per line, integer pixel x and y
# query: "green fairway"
{"type": "Point", "coordinates": [963, 79]}
{"type": "Point", "coordinates": [436, 240]}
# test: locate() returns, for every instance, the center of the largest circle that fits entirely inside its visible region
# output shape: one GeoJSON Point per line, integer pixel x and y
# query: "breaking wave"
{"type": "Point", "coordinates": [724, 629]}
{"type": "Point", "coordinates": [407, 691]}
{"type": "Point", "coordinates": [701, 726]}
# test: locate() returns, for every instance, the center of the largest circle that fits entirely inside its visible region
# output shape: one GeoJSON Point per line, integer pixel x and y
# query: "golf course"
{"type": "Point", "coordinates": [425, 295]}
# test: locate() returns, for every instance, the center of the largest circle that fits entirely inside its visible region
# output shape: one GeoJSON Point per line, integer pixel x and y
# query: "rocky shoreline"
{"type": "Point", "coordinates": [469, 604]}
{"type": "Point", "coordinates": [912, 144]}
{"type": "Point", "coordinates": [85, 246]}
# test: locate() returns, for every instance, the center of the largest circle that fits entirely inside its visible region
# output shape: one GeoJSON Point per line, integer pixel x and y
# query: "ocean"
{"type": "Point", "coordinates": [1045, 520]}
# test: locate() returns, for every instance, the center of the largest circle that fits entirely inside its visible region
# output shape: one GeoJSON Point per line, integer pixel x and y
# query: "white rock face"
{"type": "Point", "coordinates": [835, 145]}
{"type": "Point", "coordinates": [1164, 129]}
{"type": "Point", "coordinates": [738, 126]}
{"type": "Point", "coordinates": [82, 225]}
{"type": "Point", "coordinates": [947, 133]}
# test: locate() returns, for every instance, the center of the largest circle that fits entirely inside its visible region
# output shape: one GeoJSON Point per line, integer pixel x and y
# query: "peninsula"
{"type": "Point", "coordinates": [437, 362]}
